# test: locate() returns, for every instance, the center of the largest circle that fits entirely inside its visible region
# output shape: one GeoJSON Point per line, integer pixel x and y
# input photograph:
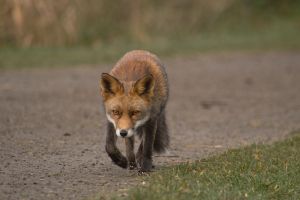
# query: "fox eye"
{"type": "Point", "coordinates": [116, 112]}
{"type": "Point", "coordinates": [136, 112]}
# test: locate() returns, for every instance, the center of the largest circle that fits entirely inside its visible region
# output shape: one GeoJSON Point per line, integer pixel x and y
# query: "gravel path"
{"type": "Point", "coordinates": [52, 127]}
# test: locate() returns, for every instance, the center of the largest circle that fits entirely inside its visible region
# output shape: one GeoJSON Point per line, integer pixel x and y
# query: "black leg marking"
{"type": "Point", "coordinates": [112, 149]}
{"type": "Point", "coordinates": [148, 141]}
{"type": "Point", "coordinates": [161, 142]}
{"type": "Point", "coordinates": [129, 142]}
{"type": "Point", "coordinates": [139, 154]}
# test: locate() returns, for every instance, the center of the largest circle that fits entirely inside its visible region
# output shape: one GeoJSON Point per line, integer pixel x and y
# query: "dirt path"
{"type": "Point", "coordinates": [52, 128]}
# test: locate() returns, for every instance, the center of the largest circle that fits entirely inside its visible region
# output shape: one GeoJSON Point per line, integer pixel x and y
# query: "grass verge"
{"type": "Point", "coordinates": [254, 172]}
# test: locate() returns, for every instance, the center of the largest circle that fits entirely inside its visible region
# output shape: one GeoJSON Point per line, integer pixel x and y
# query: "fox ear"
{"type": "Point", "coordinates": [110, 86]}
{"type": "Point", "coordinates": [145, 86]}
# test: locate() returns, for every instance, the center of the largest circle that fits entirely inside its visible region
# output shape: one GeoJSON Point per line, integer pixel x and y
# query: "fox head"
{"type": "Point", "coordinates": [127, 104]}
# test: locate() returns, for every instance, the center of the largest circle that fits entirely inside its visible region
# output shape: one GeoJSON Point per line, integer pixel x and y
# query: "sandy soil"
{"type": "Point", "coordinates": [52, 127]}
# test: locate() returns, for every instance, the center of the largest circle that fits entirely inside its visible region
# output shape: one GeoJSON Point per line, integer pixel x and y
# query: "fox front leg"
{"type": "Point", "coordinates": [111, 148]}
{"type": "Point", "coordinates": [147, 148]}
{"type": "Point", "coordinates": [129, 142]}
{"type": "Point", "coordinates": [139, 154]}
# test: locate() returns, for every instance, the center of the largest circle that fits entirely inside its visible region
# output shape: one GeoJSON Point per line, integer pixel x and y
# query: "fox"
{"type": "Point", "coordinates": [135, 93]}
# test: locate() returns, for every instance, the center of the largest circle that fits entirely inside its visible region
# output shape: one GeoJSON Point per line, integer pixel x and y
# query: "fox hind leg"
{"type": "Point", "coordinates": [144, 155]}
{"type": "Point", "coordinates": [161, 142]}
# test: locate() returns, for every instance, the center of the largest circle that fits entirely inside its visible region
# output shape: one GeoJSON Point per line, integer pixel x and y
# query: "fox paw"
{"type": "Point", "coordinates": [120, 161]}
{"type": "Point", "coordinates": [132, 165]}
{"type": "Point", "coordinates": [142, 173]}
{"type": "Point", "coordinates": [146, 165]}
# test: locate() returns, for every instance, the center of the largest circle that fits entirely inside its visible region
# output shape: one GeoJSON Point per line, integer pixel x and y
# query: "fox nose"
{"type": "Point", "coordinates": [123, 133]}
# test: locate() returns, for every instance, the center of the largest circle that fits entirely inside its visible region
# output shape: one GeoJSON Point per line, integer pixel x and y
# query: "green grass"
{"type": "Point", "coordinates": [254, 172]}
{"type": "Point", "coordinates": [279, 35]}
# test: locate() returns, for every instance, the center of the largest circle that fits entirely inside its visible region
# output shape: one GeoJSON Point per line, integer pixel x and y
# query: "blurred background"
{"type": "Point", "coordinates": [74, 32]}
{"type": "Point", "coordinates": [233, 67]}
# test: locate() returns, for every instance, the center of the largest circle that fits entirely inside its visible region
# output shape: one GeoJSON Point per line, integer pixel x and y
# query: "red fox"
{"type": "Point", "coordinates": [135, 94]}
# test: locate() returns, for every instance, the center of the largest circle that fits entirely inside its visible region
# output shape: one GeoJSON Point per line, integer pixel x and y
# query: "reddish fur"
{"type": "Point", "coordinates": [131, 67]}
{"type": "Point", "coordinates": [136, 64]}
{"type": "Point", "coordinates": [135, 94]}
